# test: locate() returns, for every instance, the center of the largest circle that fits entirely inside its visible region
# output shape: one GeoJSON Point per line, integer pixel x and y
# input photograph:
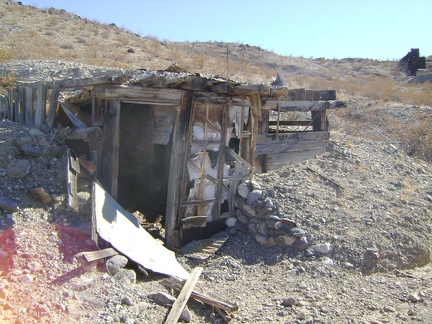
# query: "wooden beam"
{"type": "Point", "coordinates": [247, 89]}
{"type": "Point", "coordinates": [291, 122]}
{"type": "Point", "coordinates": [17, 115]}
{"type": "Point", "coordinates": [40, 105]}
{"type": "Point", "coordinates": [28, 114]}
{"type": "Point", "coordinates": [183, 297]}
{"type": "Point", "coordinates": [96, 255]}
{"type": "Point", "coordinates": [55, 91]}
{"type": "Point", "coordinates": [177, 169]}
{"type": "Point", "coordinates": [301, 105]}
{"type": "Point", "coordinates": [177, 284]}
{"type": "Point", "coordinates": [67, 107]}
{"type": "Point", "coordinates": [21, 105]}
{"type": "Point", "coordinates": [134, 92]}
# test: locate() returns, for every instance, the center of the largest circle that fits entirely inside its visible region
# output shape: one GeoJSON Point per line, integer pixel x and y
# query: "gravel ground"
{"type": "Point", "coordinates": [364, 202]}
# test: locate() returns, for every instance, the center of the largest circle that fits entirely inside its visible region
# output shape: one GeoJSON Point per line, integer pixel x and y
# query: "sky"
{"type": "Point", "coordinates": [376, 29]}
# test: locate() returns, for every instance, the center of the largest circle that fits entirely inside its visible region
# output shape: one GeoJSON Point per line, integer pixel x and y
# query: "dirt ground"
{"type": "Point", "coordinates": [365, 199]}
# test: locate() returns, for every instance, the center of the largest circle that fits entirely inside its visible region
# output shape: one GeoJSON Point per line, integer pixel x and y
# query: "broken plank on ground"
{"type": "Point", "coordinates": [183, 297]}
{"type": "Point", "coordinates": [177, 284]}
{"type": "Point", "coordinates": [201, 250]}
{"type": "Point", "coordinates": [96, 255]}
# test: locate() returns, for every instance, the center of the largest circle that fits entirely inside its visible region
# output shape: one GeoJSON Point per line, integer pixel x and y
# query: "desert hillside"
{"type": "Point", "coordinates": [363, 208]}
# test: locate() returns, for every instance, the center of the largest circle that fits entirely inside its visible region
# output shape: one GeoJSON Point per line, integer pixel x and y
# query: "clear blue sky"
{"type": "Point", "coordinates": [378, 29]}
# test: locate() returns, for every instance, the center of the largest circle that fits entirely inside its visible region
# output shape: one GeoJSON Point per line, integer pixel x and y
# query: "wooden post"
{"type": "Point", "coordinates": [21, 105]}
{"type": "Point", "coordinates": [112, 127]}
{"type": "Point", "coordinates": [53, 105]}
{"type": "Point", "coordinates": [40, 105]}
{"type": "Point", "coordinates": [319, 120]}
{"type": "Point", "coordinates": [16, 105]}
{"type": "Point", "coordinates": [177, 168]}
{"type": "Point", "coordinates": [28, 114]}
{"type": "Point", "coordinates": [97, 105]}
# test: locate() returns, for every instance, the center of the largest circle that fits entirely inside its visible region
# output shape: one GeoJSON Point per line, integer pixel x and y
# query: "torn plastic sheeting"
{"type": "Point", "coordinates": [236, 116]}
{"type": "Point", "coordinates": [120, 228]}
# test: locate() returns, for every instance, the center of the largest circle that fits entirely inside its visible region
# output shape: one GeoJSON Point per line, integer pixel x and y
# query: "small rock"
{"type": "Point", "coordinates": [162, 298]}
{"type": "Point", "coordinates": [186, 315]}
{"type": "Point", "coordinates": [19, 141]}
{"type": "Point", "coordinates": [289, 301]}
{"type": "Point", "coordinates": [142, 306]}
{"type": "Point", "coordinates": [243, 190]}
{"type": "Point", "coordinates": [230, 222]}
{"type": "Point", "coordinates": [389, 309]}
{"type": "Point", "coordinates": [125, 276]}
{"type": "Point", "coordinates": [35, 132]}
{"type": "Point", "coordinates": [323, 248]}
{"type": "Point", "coordinates": [8, 204]}
{"type": "Point", "coordinates": [127, 301]}
{"type": "Point", "coordinates": [40, 195]}
{"type": "Point", "coordinates": [25, 279]}
{"type": "Point", "coordinates": [115, 263]}
{"type": "Point", "coordinates": [414, 297]}
{"type": "Point", "coordinates": [30, 150]}
{"type": "Point", "coordinates": [20, 169]}
{"type": "Point", "coordinates": [285, 240]}
{"type": "Point", "coordinates": [297, 232]}
{"type": "Point", "coordinates": [254, 196]}
{"type": "Point", "coordinates": [288, 222]}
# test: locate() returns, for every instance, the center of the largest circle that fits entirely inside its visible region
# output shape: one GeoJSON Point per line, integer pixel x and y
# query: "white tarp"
{"type": "Point", "coordinates": [120, 228]}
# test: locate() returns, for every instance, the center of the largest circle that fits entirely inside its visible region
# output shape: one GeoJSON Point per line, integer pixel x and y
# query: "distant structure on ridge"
{"type": "Point", "coordinates": [411, 62]}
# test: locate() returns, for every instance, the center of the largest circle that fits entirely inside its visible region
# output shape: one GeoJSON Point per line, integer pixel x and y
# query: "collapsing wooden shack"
{"type": "Point", "coordinates": [179, 144]}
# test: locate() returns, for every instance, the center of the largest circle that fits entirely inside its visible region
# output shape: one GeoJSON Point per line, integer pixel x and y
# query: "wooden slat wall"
{"type": "Point", "coordinates": [290, 147]}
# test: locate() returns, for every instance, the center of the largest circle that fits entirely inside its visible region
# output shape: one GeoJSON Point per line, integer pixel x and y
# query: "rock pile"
{"type": "Point", "coordinates": [261, 217]}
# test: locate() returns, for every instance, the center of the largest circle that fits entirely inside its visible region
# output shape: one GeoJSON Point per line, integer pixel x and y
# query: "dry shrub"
{"type": "Point", "coordinates": [416, 137]}
{"type": "Point", "coordinates": [8, 81]}
{"type": "Point", "coordinates": [6, 54]}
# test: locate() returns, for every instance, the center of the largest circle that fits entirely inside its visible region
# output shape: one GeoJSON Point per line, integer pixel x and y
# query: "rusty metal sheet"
{"type": "Point", "coordinates": [120, 228]}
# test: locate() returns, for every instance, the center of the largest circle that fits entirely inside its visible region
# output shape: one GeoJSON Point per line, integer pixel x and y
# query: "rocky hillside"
{"type": "Point", "coordinates": [50, 34]}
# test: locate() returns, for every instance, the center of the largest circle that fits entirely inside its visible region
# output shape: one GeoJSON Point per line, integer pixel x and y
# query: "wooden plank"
{"type": "Point", "coordinates": [279, 92]}
{"type": "Point", "coordinates": [327, 94]}
{"type": "Point", "coordinates": [177, 284]}
{"type": "Point", "coordinates": [21, 105]}
{"type": "Point", "coordinates": [183, 297]}
{"type": "Point", "coordinates": [129, 92]}
{"type": "Point", "coordinates": [28, 115]}
{"type": "Point", "coordinates": [194, 83]}
{"type": "Point", "coordinates": [194, 221]}
{"type": "Point", "coordinates": [177, 168]}
{"type": "Point", "coordinates": [96, 255]}
{"type": "Point", "coordinates": [292, 105]}
{"type": "Point", "coordinates": [97, 108]}
{"type": "Point", "coordinates": [292, 137]}
{"type": "Point", "coordinates": [67, 107]}
{"type": "Point", "coordinates": [121, 229]}
{"type": "Point", "coordinates": [72, 176]}
{"type": "Point", "coordinates": [114, 125]}
{"type": "Point", "coordinates": [312, 95]}
{"type": "Point", "coordinates": [52, 110]}
{"type": "Point", "coordinates": [297, 94]}
{"type": "Point", "coordinates": [247, 89]}
{"type": "Point", "coordinates": [284, 147]}
{"type": "Point", "coordinates": [17, 115]}
{"type": "Point", "coordinates": [221, 88]}
{"type": "Point", "coordinates": [9, 105]}
{"type": "Point", "coordinates": [40, 105]}
{"type": "Point", "coordinates": [319, 119]}
{"type": "Point", "coordinates": [291, 122]}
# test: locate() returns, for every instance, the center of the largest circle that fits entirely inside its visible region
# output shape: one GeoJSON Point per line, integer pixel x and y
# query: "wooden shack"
{"type": "Point", "coordinates": [178, 144]}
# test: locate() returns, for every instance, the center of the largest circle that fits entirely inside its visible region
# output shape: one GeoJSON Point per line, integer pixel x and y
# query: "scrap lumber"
{"type": "Point", "coordinates": [183, 297]}
{"type": "Point", "coordinates": [96, 255]}
{"type": "Point", "coordinates": [177, 284]}
{"type": "Point", "coordinates": [325, 178]}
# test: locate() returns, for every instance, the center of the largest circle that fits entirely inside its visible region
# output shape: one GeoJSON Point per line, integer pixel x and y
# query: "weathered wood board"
{"type": "Point", "coordinates": [120, 228]}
